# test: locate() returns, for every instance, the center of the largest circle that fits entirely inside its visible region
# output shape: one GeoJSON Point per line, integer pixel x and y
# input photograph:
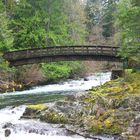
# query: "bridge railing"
{"type": "Point", "coordinates": [61, 50]}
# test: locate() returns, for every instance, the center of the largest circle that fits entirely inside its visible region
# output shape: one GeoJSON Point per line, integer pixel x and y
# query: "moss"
{"type": "Point", "coordinates": [108, 126]}
{"type": "Point", "coordinates": [38, 107]}
{"type": "Point", "coordinates": [132, 138]}
{"type": "Point", "coordinates": [54, 117]}
{"type": "Point", "coordinates": [97, 127]}
{"type": "Point", "coordinates": [120, 98]}
{"type": "Point", "coordinates": [108, 122]}
{"type": "Point", "coordinates": [115, 129]}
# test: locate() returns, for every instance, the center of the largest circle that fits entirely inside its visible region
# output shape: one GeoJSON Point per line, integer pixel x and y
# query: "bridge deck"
{"type": "Point", "coordinates": [61, 53]}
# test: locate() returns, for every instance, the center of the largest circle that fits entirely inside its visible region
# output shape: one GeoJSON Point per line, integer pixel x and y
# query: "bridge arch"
{"type": "Point", "coordinates": [62, 53]}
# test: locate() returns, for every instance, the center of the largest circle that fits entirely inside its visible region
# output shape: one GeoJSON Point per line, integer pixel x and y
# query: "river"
{"type": "Point", "coordinates": [13, 105]}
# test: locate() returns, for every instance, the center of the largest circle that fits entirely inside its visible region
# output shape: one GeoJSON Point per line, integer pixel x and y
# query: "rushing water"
{"type": "Point", "coordinates": [13, 105]}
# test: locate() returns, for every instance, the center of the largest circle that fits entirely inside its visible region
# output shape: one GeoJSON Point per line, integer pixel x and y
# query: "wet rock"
{"type": "Point", "coordinates": [34, 131]}
{"type": "Point", "coordinates": [71, 98]}
{"type": "Point", "coordinates": [34, 111]}
{"type": "Point", "coordinates": [137, 119]}
{"type": "Point", "coordinates": [7, 132]}
{"type": "Point", "coordinates": [61, 103]}
{"type": "Point", "coordinates": [100, 111]}
{"type": "Point", "coordinates": [118, 137]}
{"type": "Point", "coordinates": [31, 113]}
{"type": "Point", "coordinates": [134, 128]}
{"type": "Point", "coordinates": [116, 74]}
{"type": "Point", "coordinates": [7, 125]}
{"type": "Point", "coordinates": [86, 79]}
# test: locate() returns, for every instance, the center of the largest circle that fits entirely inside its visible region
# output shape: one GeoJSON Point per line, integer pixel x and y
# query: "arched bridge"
{"type": "Point", "coordinates": [62, 53]}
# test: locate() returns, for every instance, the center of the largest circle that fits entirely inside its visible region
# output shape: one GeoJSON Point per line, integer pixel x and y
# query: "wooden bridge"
{"type": "Point", "coordinates": [62, 53]}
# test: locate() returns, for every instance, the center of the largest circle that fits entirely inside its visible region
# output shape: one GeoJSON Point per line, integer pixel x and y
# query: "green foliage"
{"type": "Point", "coordinates": [129, 22]}
{"type": "Point", "coordinates": [49, 23]}
{"type": "Point", "coordinates": [46, 23]}
{"type": "Point", "coordinates": [108, 18]}
{"type": "Point", "coordinates": [101, 13]}
{"type": "Point", "coordinates": [93, 13]}
{"type": "Point", "coordinates": [28, 26]}
{"type": "Point", "coordinates": [6, 39]}
{"type": "Point", "coordinates": [3, 64]}
{"type": "Point", "coordinates": [61, 70]}
{"type": "Point", "coordinates": [40, 24]}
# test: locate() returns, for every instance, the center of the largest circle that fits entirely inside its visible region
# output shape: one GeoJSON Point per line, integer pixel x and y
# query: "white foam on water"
{"type": "Point", "coordinates": [72, 85]}
{"type": "Point", "coordinates": [38, 137]}
{"type": "Point", "coordinates": [13, 114]}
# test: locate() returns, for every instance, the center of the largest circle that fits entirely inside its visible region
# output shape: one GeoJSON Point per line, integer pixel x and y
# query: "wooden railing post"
{"type": "Point", "coordinates": [87, 49]}
{"type": "Point", "coordinates": [112, 50]}
{"type": "Point", "coordinates": [96, 49]}
{"type": "Point", "coordinates": [73, 49]}
{"type": "Point", "coordinates": [59, 50]}
{"type": "Point", "coordinates": [101, 50]}
{"type": "Point", "coordinates": [68, 50]}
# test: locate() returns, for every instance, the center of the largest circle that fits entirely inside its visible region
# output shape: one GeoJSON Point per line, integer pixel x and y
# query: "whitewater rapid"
{"type": "Point", "coordinates": [69, 86]}
{"type": "Point", "coordinates": [34, 129]}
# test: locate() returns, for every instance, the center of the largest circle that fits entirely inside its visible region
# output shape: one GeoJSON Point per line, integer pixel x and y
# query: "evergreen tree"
{"type": "Point", "coordinates": [6, 38]}
{"type": "Point", "coordinates": [75, 22]}
{"type": "Point", "coordinates": [128, 20]}
{"type": "Point", "coordinates": [28, 25]}
{"type": "Point", "coordinates": [109, 8]}
{"type": "Point", "coordinates": [93, 10]}
{"type": "Point", "coordinates": [48, 23]}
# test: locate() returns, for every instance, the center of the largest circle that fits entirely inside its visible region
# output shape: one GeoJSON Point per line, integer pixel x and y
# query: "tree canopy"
{"type": "Point", "coordinates": [128, 20]}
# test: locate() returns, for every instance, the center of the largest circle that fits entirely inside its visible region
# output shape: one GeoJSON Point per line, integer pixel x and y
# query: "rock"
{"type": "Point", "coordinates": [71, 98]}
{"type": "Point", "coordinates": [134, 128]}
{"type": "Point", "coordinates": [30, 113]}
{"type": "Point", "coordinates": [7, 132]}
{"type": "Point", "coordinates": [100, 112]}
{"type": "Point", "coordinates": [116, 74]}
{"type": "Point", "coordinates": [61, 103]}
{"type": "Point", "coordinates": [54, 117]}
{"type": "Point", "coordinates": [86, 79]}
{"type": "Point", "coordinates": [137, 119]}
{"type": "Point", "coordinates": [33, 131]}
{"type": "Point", "coordinates": [34, 111]}
{"type": "Point", "coordinates": [7, 125]}
{"type": "Point", "coordinates": [108, 109]}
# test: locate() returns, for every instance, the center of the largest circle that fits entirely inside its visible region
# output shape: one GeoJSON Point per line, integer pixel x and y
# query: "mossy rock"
{"type": "Point", "coordinates": [96, 127]}
{"type": "Point", "coordinates": [34, 111]}
{"type": "Point", "coordinates": [54, 117]}
{"type": "Point", "coordinates": [38, 107]}
{"type": "Point", "coordinates": [108, 126]}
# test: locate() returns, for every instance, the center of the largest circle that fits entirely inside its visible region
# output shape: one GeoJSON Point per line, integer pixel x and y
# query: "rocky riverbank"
{"type": "Point", "coordinates": [9, 86]}
{"type": "Point", "coordinates": [112, 108]}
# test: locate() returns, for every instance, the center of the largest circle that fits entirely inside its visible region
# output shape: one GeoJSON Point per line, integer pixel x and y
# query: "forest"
{"type": "Point", "coordinates": [32, 24]}
{"type": "Point", "coordinates": [72, 100]}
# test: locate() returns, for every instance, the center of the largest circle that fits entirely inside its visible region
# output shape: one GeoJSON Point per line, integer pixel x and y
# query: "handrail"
{"type": "Point", "coordinates": [61, 50]}
{"type": "Point", "coordinates": [50, 47]}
